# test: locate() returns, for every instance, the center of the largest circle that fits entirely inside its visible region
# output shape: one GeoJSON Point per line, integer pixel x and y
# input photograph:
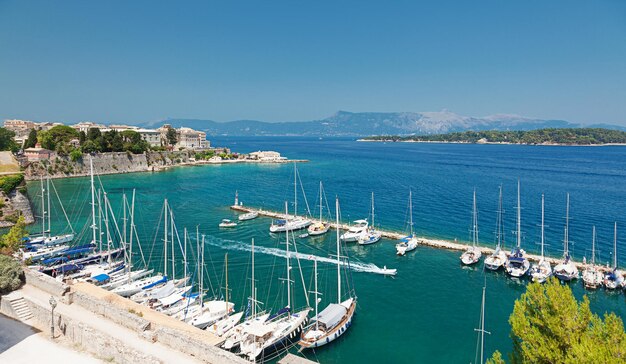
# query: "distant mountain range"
{"type": "Point", "coordinates": [357, 124]}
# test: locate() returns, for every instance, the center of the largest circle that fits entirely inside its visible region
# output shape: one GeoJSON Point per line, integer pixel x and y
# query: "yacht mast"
{"type": "Point", "coordinates": [542, 224]}
{"type": "Point", "coordinates": [316, 293]}
{"type": "Point", "coordinates": [165, 241]}
{"type": "Point", "coordinates": [132, 227]}
{"type": "Point", "coordinates": [338, 253]}
{"type": "Point", "coordinates": [593, 246]}
{"type": "Point", "coordinates": [287, 256]}
{"type": "Point", "coordinates": [499, 222]}
{"type": "Point", "coordinates": [226, 259]}
{"type": "Point", "coordinates": [202, 275]}
{"type": "Point", "coordinates": [172, 227]}
{"type": "Point", "coordinates": [372, 210]}
{"type": "Point", "coordinates": [320, 201]}
{"type": "Point", "coordinates": [519, 217]}
{"type": "Point", "coordinates": [43, 209]}
{"type": "Point", "coordinates": [49, 206]}
{"type": "Point", "coordinates": [615, 246]}
{"type": "Point", "coordinates": [474, 222]}
{"type": "Point", "coordinates": [411, 210]}
{"type": "Point", "coordinates": [295, 191]}
{"type": "Point", "coordinates": [185, 254]}
{"type": "Point", "coordinates": [93, 202]}
{"type": "Point", "coordinates": [482, 329]}
{"type": "Point", "coordinates": [566, 228]}
{"type": "Point", "coordinates": [252, 286]}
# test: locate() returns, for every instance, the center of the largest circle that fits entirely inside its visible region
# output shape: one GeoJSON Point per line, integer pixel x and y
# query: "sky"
{"type": "Point", "coordinates": [139, 61]}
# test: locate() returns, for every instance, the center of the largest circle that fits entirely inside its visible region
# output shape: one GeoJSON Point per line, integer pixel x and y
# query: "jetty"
{"type": "Point", "coordinates": [393, 235]}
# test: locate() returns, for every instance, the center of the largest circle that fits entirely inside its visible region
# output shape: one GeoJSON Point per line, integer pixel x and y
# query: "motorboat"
{"type": "Point", "coordinates": [248, 216]}
{"type": "Point", "coordinates": [355, 231]}
{"type": "Point", "coordinates": [226, 223]}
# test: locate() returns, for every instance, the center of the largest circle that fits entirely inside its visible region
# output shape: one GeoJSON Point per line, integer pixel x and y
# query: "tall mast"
{"type": "Point", "coordinates": [338, 253]}
{"type": "Point", "coordinates": [202, 275]}
{"type": "Point", "coordinates": [566, 252]}
{"type": "Point", "coordinates": [185, 254]}
{"type": "Point", "coordinates": [198, 260]}
{"type": "Point", "coordinates": [93, 201]}
{"type": "Point", "coordinates": [49, 206]}
{"type": "Point", "coordinates": [316, 293]}
{"type": "Point", "coordinates": [252, 286]}
{"type": "Point", "coordinates": [499, 222]}
{"type": "Point", "coordinates": [165, 241]}
{"type": "Point", "coordinates": [172, 227]}
{"type": "Point", "coordinates": [106, 226]}
{"type": "Point", "coordinates": [226, 259]}
{"type": "Point", "coordinates": [320, 201]}
{"type": "Point", "coordinates": [132, 227]}
{"type": "Point", "coordinates": [411, 210]}
{"type": "Point", "coordinates": [542, 224]}
{"type": "Point", "coordinates": [372, 210]}
{"type": "Point", "coordinates": [126, 255]}
{"type": "Point", "coordinates": [519, 217]}
{"type": "Point", "coordinates": [474, 222]}
{"type": "Point", "coordinates": [482, 329]}
{"type": "Point", "coordinates": [43, 209]}
{"type": "Point", "coordinates": [593, 246]}
{"type": "Point", "coordinates": [287, 256]}
{"type": "Point", "coordinates": [295, 190]}
{"type": "Point", "coordinates": [615, 245]}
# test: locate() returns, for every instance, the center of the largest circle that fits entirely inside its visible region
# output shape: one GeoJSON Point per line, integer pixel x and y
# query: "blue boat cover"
{"type": "Point", "coordinates": [162, 280]}
{"type": "Point", "coordinates": [100, 277]}
{"type": "Point", "coordinates": [52, 261]}
{"type": "Point", "coordinates": [280, 312]}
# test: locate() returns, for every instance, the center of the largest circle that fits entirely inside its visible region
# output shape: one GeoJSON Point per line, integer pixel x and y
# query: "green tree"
{"type": "Point", "coordinates": [82, 137]}
{"type": "Point", "coordinates": [171, 137]}
{"type": "Point", "coordinates": [90, 146]}
{"type": "Point", "coordinates": [6, 140]}
{"type": "Point", "coordinates": [11, 274]}
{"type": "Point", "coordinates": [11, 241]}
{"type": "Point", "coordinates": [548, 325]}
{"type": "Point", "coordinates": [32, 139]}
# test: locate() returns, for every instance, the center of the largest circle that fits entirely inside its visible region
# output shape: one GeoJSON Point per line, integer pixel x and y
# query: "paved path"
{"type": "Point", "coordinates": [17, 343]}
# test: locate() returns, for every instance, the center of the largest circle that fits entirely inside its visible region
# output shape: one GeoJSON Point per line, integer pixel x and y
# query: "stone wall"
{"type": "Point", "coordinates": [119, 316]}
{"type": "Point", "coordinates": [105, 163]}
{"type": "Point", "coordinates": [88, 338]}
{"type": "Point", "coordinates": [45, 283]}
{"type": "Point", "coordinates": [182, 341]}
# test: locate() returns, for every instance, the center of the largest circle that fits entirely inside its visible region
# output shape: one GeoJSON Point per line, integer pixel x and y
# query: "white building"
{"type": "Point", "coordinates": [84, 126]}
{"type": "Point", "coordinates": [266, 156]}
{"type": "Point", "coordinates": [152, 136]}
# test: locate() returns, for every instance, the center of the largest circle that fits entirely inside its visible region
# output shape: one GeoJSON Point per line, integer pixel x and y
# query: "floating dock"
{"type": "Point", "coordinates": [392, 235]}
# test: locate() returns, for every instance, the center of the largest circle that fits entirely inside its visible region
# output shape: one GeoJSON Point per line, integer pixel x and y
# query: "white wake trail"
{"type": "Point", "coordinates": [239, 246]}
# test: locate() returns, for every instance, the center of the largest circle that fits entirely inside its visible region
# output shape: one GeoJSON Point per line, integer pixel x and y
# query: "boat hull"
{"type": "Point", "coordinates": [333, 334]}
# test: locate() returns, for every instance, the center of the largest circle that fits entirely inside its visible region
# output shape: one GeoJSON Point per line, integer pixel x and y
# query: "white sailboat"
{"type": "Point", "coordinates": [566, 270]}
{"type": "Point", "coordinates": [517, 264]}
{"type": "Point", "coordinates": [592, 276]}
{"type": "Point", "coordinates": [497, 259]}
{"type": "Point", "coordinates": [319, 227]}
{"type": "Point", "coordinates": [46, 239]}
{"type": "Point", "coordinates": [541, 271]}
{"type": "Point", "coordinates": [248, 216]}
{"type": "Point", "coordinates": [615, 278]}
{"type": "Point", "coordinates": [409, 242]}
{"type": "Point", "coordinates": [473, 253]}
{"type": "Point", "coordinates": [336, 318]}
{"type": "Point", "coordinates": [481, 331]}
{"type": "Point", "coordinates": [264, 341]}
{"type": "Point", "coordinates": [372, 235]}
{"type": "Point", "coordinates": [296, 222]}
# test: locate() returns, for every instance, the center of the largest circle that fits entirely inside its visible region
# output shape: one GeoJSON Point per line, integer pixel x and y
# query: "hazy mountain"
{"type": "Point", "coordinates": [345, 123]}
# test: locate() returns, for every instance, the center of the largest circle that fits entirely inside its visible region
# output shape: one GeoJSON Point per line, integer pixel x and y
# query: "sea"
{"type": "Point", "coordinates": [430, 310]}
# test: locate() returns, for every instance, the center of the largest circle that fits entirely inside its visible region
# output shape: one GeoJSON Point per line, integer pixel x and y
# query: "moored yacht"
{"type": "Point", "coordinates": [566, 270]}
{"type": "Point", "coordinates": [592, 275]}
{"type": "Point", "coordinates": [497, 259]}
{"type": "Point", "coordinates": [541, 271]}
{"type": "Point", "coordinates": [517, 264]}
{"type": "Point", "coordinates": [409, 242]}
{"type": "Point", "coordinates": [355, 231]}
{"type": "Point", "coordinates": [472, 254]}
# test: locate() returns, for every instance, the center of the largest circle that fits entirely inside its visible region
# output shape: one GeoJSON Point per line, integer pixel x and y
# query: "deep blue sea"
{"type": "Point", "coordinates": [429, 311]}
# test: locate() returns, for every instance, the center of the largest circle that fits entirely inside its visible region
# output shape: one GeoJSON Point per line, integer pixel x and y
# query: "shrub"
{"type": "Point", "coordinates": [11, 274]}
{"type": "Point", "coordinates": [76, 155]}
{"type": "Point", "coordinates": [8, 183]}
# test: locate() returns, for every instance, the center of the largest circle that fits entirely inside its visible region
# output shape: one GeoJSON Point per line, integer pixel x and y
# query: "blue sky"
{"type": "Point", "coordinates": [133, 61]}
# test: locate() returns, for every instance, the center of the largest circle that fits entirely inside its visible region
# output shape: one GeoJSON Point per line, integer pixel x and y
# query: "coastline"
{"type": "Point", "coordinates": [492, 143]}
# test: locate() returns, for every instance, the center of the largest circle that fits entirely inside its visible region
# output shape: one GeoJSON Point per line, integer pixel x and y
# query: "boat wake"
{"type": "Point", "coordinates": [239, 246]}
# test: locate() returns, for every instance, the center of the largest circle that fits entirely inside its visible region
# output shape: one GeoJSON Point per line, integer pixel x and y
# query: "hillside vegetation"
{"type": "Point", "coordinates": [565, 136]}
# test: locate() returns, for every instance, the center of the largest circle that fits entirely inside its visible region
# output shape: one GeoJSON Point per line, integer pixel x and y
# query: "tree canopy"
{"type": "Point", "coordinates": [548, 325]}
{"type": "Point", "coordinates": [6, 140]}
{"type": "Point", "coordinates": [11, 241]}
{"type": "Point", "coordinates": [569, 136]}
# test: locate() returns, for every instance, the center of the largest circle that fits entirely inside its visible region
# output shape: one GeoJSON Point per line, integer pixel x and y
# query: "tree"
{"type": "Point", "coordinates": [31, 142]}
{"type": "Point", "coordinates": [93, 134]}
{"type": "Point", "coordinates": [82, 137]}
{"type": "Point", "coordinates": [6, 140]}
{"type": "Point", "coordinates": [548, 325]}
{"type": "Point", "coordinates": [90, 147]}
{"type": "Point", "coordinates": [11, 274]}
{"type": "Point", "coordinates": [10, 242]}
{"type": "Point", "coordinates": [171, 137]}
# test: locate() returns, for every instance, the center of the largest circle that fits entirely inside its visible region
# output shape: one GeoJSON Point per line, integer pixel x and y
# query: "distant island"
{"type": "Point", "coordinates": [548, 136]}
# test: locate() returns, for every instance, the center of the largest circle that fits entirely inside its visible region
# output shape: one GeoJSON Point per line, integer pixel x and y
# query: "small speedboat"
{"type": "Point", "coordinates": [248, 216]}
{"type": "Point", "coordinates": [303, 236]}
{"type": "Point", "coordinates": [388, 271]}
{"type": "Point", "coordinates": [226, 223]}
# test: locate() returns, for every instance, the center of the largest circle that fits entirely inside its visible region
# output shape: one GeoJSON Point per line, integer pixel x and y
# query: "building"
{"type": "Point", "coordinates": [265, 156]}
{"type": "Point", "coordinates": [152, 136]}
{"type": "Point", "coordinates": [84, 126]}
{"type": "Point", "coordinates": [191, 139]}
{"type": "Point", "coordinates": [38, 153]}
{"type": "Point", "coordinates": [21, 128]}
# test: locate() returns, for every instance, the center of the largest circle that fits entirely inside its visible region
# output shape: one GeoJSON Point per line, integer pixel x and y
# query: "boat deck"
{"type": "Point", "coordinates": [423, 241]}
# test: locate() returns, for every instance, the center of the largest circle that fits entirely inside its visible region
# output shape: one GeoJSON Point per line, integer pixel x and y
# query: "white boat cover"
{"type": "Point", "coordinates": [331, 315]}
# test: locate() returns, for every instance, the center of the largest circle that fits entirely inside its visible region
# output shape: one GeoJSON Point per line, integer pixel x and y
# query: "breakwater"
{"type": "Point", "coordinates": [392, 235]}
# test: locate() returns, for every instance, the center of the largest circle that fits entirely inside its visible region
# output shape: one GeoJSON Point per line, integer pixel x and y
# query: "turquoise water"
{"type": "Point", "coordinates": [429, 311]}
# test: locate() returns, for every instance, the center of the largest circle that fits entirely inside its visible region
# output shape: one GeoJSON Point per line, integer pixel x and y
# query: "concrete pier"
{"type": "Point", "coordinates": [392, 235]}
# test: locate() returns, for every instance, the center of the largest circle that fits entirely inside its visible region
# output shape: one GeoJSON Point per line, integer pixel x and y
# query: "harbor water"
{"type": "Point", "coordinates": [428, 312]}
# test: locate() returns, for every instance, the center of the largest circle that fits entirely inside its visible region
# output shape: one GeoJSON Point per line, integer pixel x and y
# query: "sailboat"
{"type": "Point", "coordinates": [566, 270]}
{"type": "Point", "coordinates": [615, 278]}
{"type": "Point", "coordinates": [234, 336]}
{"type": "Point", "coordinates": [372, 235]}
{"type": "Point", "coordinates": [46, 239]}
{"type": "Point", "coordinates": [517, 264]}
{"type": "Point", "coordinates": [497, 259]}
{"type": "Point", "coordinates": [336, 318]}
{"type": "Point", "coordinates": [296, 222]}
{"type": "Point", "coordinates": [409, 242]}
{"type": "Point", "coordinates": [320, 227]}
{"type": "Point", "coordinates": [472, 254]}
{"type": "Point", "coordinates": [592, 276]}
{"type": "Point", "coordinates": [266, 340]}
{"type": "Point", "coordinates": [355, 231]}
{"type": "Point", "coordinates": [542, 270]}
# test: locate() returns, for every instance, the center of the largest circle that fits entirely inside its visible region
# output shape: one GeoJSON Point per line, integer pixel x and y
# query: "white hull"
{"type": "Point", "coordinates": [541, 271]}
{"type": "Point", "coordinates": [121, 279]}
{"type": "Point", "coordinates": [223, 326]}
{"type": "Point", "coordinates": [471, 256]}
{"type": "Point", "coordinates": [248, 216]}
{"type": "Point", "coordinates": [315, 338]}
{"type": "Point", "coordinates": [130, 289]}
{"type": "Point", "coordinates": [406, 246]}
{"type": "Point", "coordinates": [370, 238]}
{"type": "Point", "coordinates": [234, 336]}
{"type": "Point", "coordinates": [592, 278]}
{"type": "Point", "coordinates": [318, 229]}
{"type": "Point", "coordinates": [213, 312]}
{"type": "Point", "coordinates": [290, 225]}
{"type": "Point", "coordinates": [495, 261]}
{"type": "Point", "coordinates": [566, 271]}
